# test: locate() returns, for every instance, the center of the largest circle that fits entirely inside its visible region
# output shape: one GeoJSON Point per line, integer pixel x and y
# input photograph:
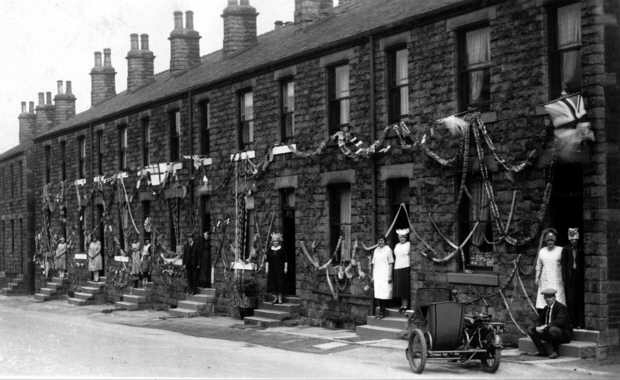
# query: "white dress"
{"type": "Point", "coordinates": [401, 252]}
{"type": "Point", "coordinates": [549, 265]}
{"type": "Point", "coordinates": [382, 272]}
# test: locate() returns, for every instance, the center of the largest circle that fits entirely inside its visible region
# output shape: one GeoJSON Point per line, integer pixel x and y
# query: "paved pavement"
{"type": "Point", "coordinates": [55, 339]}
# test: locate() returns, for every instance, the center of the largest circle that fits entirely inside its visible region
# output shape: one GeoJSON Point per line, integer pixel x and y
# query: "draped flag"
{"type": "Point", "coordinates": [565, 110]}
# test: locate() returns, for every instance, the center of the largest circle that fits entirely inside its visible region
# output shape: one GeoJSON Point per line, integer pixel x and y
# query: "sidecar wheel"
{"type": "Point", "coordinates": [417, 351]}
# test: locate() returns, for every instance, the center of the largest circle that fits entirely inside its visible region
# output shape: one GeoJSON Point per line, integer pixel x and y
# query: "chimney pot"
{"type": "Point", "coordinates": [144, 40]}
{"type": "Point", "coordinates": [97, 59]}
{"type": "Point", "coordinates": [59, 87]}
{"type": "Point", "coordinates": [48, 97]}
{"type": "Point", "coordinates": [41, 98]}
{"type": "Point", "coordinates": [178, 20]}
{"type": "Point", "coordinates": [239, 27]}
{"type": "Point", "coordinates": [245, 3]}
{"type": "Point", "coordinates": [68, 90]}
{"type": "Point", "coordinates": [233, 2]}
{"type": "Point", "coordinates": [23, 107]}
{"type": "Point", "coordinates": [107, 57]}
{"type": "Point", "coordinates": [133, 39]}
{"type": "Point", "coordinates": [189, 20]}
{"type": "Point", "coordinates": [31, 107]}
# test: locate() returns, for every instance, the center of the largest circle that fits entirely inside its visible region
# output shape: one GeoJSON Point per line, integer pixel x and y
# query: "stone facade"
{"type": "Point", "coordinates": [519, 85]}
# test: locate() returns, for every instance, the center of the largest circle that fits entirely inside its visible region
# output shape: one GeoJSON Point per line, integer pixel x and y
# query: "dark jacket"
{"type": "Point", "coordinates": [189, 255]}
{"type": "Point", "coordinates": [568, 273]}
{"type": "Point", "coordinates": [559, 318]}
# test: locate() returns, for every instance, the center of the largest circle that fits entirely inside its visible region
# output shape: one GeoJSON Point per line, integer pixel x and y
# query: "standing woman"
{"type": "Point", "coordinates": [381, 267]}
{"type": "Point", "coordinates": [135, 263]}
{"type": "Point", "coordinates": [402, 273]}
{"type": "Point", "coordinates": [95, 262]}
{"type": "Point", "coordinates": [549, 269]}
{"type": "Point", "coordinates": [145, 262]}
{"type": "Point", "coordinates": [276, 268]}
{"type": "Point", "coordinates": [60, 260]}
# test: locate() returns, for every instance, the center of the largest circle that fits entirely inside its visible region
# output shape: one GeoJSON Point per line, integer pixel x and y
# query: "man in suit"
{"type": "Point", "coordinates": [189, 261]}
{"type": "Point", "coordinates": [553, 325]}
{"type": "Point", "coordinates": [572, 274]}
{"type": "Point", "coordinates": [203, 251]}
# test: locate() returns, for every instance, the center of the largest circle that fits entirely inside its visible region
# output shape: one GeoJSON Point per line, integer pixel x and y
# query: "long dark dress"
{"type": "Point", "coordinates": [276, 276]}
{"type": "Point", "coordinates": [203, 251]}
{"type": "Point", "coordinates": [573, 283]}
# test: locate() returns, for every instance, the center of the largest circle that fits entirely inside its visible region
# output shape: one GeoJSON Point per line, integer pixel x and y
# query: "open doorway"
{"type": "Point", "coordinates": [288, 231]}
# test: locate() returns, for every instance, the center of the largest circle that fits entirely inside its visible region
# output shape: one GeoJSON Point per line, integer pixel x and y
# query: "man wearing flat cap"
{"type": "Point", "coordinates": [553, 325]}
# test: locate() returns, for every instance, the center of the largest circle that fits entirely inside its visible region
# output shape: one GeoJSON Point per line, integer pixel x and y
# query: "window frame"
{"type": "Point", "coordinates": [335, 193]}
{"type": "Point", "coordinates": [48, 163]}
{"type": "Point", "coordinates": [464, 70]}
{"type": "Point", "coordinates": [555, 51]}
{"type": "Point", "coordinates": [393, 89]}
{"type": "Point", "coordinates": [63, 160]}
{"type": "Point", "coordinates": [99, 153]}
{"type": "Point", "coordinates": [145, 125]}
{"type": "Point", "coordinates": [205, 123]}
{"type": "Point", "coordinates": [245, 122]}
{"type": "Point", "coordinates": [81, 157]}
{"type": "Point", "coordinates": [335, 102]}
{"type": "Point", "coordinates": [174, 135]}
{"type": "Point", "coordinates": [123, 146]}
{"type": "Point", "coordinates": [287, 116]}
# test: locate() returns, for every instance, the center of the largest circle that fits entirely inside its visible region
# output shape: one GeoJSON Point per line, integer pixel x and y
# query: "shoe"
{"type": "Point", "coordinates": [535, 353]}
{"type": "Point", "coordinates": [380, 316]}
{"type": "Point", "coordinates": [554, 355]}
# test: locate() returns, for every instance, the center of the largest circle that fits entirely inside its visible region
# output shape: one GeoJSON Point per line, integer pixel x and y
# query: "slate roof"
{"type": "Point", "coordinates": [274, 46]}
{"type": "Point", "coordinates": [14, 151]}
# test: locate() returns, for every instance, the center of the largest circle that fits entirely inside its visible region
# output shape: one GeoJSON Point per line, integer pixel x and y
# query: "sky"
{"type": "Point", "coordinates": [48, 40]}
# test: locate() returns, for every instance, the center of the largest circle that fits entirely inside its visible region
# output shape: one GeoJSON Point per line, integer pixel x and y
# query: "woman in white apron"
{"type": "Point", "coordinates": [549, 269]}
{"type": "Point", "coordinates": [381, 267]}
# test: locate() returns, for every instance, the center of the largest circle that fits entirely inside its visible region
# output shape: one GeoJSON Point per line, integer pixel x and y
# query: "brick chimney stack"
{"type": "Point", "coordinates": [140, 62]}
{"type": "Point", "coordinates": [312, 10]}
{"type": "Point", "coordinates": [239, 26]}
{"type": "Point", "coordinates": [103, 78]}
{"type": "Point", "coordinates": [27, 123]}
{"type": "Point", "coordinates": [64, 102]}
{"type": "Point", "coordinates": [184, 43]}
{"type": "Point", "coordinates": [45, 112]}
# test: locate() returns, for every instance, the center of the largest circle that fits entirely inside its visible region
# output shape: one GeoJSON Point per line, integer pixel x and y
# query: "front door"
{"type": "Point", "coordinates": [288, 232]}
{"type": "Point", "coordinates": [101, 231]}
{"type": "Point", "coordinates": [567, 212]}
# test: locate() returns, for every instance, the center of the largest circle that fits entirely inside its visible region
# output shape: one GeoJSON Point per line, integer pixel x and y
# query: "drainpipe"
{"type": "Point", "coordinates": [373, 134]}
{"type": "Point", "coordinates": [190, 102]}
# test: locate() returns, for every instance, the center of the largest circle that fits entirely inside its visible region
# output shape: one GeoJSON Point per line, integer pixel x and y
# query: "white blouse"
{"type": "Point", "coordinates": [401, 252]}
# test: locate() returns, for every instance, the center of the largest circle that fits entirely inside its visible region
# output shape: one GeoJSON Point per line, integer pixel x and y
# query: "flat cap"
{"type": "Point", "coordinates": [549, 292]}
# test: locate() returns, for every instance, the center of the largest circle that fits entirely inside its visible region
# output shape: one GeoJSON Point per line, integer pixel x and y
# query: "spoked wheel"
{"type": "Point", "coordinates": [491, 359]}
{"type": "Point", "coordinates": [417, 351]}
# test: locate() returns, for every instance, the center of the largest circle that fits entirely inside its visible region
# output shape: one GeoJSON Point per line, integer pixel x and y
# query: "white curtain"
{"type": "Point", "coordinates": [478, 52]}
{"type": "Point", "coordinates": [569, 25]}
{"type": "Point", "coordinates": [342, 92]}
{"type": "Point", "coordinates": [402, 79]}
{"type": "Point", "coordinates": [345, 223]}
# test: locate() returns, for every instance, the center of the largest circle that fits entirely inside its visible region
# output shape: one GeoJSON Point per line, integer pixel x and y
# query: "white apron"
{"type": "Point", "coordinates": [549, 265]}
{"type": "Point", "coordinates": [382, 272]}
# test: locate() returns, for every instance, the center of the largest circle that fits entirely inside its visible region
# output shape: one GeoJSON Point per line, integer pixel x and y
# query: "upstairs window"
{"type": "Point", "coordinates": [146, 141]}
{"type": "Point", "coordinates": [12, 180]}
{"type": "Point", "coordinates": [287, 109]}
{"type": "Point", "coordinates": [205, 120]}
{"type": "Point", "coordinates": [100, 152]}
{"type": "Point", "coordinates": [398, 85]}
{"type": "Point", "coordinates": [81, 157]}
{"type": "Point", "coordinates": [63, 162]}
{"type": "Point", "coordinates": [565, 60]}
{"type": "Point", "coordinates": [246, 119]}
{"type": "Point", "coordinates": [122, 148]}
{"type": "Point", "coordinates": [475, 68]}
{"type": "Point", "coordinates": [48, 163]}
{"type": "Point", "coordinates": [175, 136]}
{"type": "Point", "coordinates": [20, 174]}
{"type": "Point", "coordinates": [339, 97]}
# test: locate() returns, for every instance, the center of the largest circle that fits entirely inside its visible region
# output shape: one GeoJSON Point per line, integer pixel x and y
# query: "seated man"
{"type": "Point", "coordinates": [554, 325]}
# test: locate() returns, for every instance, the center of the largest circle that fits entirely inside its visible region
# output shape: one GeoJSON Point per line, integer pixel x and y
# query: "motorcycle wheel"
{"type": "Point", "coordinates": [492, 358]}
{"type": "Point", "coordinates": [417, 351]}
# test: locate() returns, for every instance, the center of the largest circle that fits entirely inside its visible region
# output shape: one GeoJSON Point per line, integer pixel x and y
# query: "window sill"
{"type": "Point", "coordinates": [80, 256]}
{"type": "Point", "coordinates": [283, 149]}
{"type": "Point", "coordinates": [80, 182]}
{"type": "Point", "coordinates": [243, 155]}
{"type": "Point", "coordinates": [485, 279]}
{"type": "Point", "coordinates": [121, 259]}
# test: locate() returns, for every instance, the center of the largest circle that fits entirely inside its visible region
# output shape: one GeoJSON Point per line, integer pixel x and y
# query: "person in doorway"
{"type": "Point", "coordinates": [276, 268]}
{"type": "Point", "coordinates": [381, 268]}
{"type": "Point", "coordinates": [145, 262]}
{"type": "Point", "coordinates": [402, 275]}
{"type": "Point", "coordinates": [553, 325]}
{"type": "Point", "coordinates": [60, 258]}
{"type": "Point", "coordinates": [135, 263]}
{"type": "Point", "coordinates": [549, 268]}
{"type": "Point", "coordinates": [95, 261]}
{"type": "Point", "coordinates": [204, 260]}
{"type": "Point", "coordinates": [190, 263]}
{"type": "Point", "coordinates": [572, 276]}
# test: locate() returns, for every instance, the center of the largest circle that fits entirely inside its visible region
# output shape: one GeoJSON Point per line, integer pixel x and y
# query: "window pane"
{"type": "Point", "coordinates": [344, 111]}
{"type": "Point", "coordinates": [404, 100]}
{"type": "Point", "coordinates": [402, 71]}
{"type": "Point", "coordinates": [341, 80]}
{"type": "Point", "coordinates": [569, 25]}
{"type": "Point", "coordinates": [478, 46]}
{"type": "Point", "coordinates": [479, 86]}
{"type": "Point", "coordinates": [290, 96]}
{"type": "Point", "coordinates": [571, 70]}
{"type": "Point", "coordinates": [251, 131]}
{"type": "Point", "coordinates": [248, 106]}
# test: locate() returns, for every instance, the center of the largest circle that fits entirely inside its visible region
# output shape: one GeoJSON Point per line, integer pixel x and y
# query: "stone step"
{"type": "Point", "coordinates": [391, 312]}
{"type": "Point", "coordinates": [207, 291]}
{"type": "Point", "coordinates": [289, 307]}
{"type": "Point", "coordinates": [48, 291]}
{"type": "Point", "coordinates": [95, 284]}
{"type": "Point", "coordinates": [90, 289]}
{"type": "Point", "coordinates": [123, 305]}
{"type": "Point", "coordinates": [369, 332]}
{"type": "Point", "coordinates": [53, 285]}
{"type": "Point", "coordinates": [84, 296]}
{"type": "Point", "coordinates": [134, 298]}
{"type": "Point", "coordinates": [40, 297]}
{"type": "Point", "coordinates": [204, 298]}
{"type": "Point", "coordinates": [77, 301]}
{"type": "Point", "coordinates": [200, 307]}
{"type": "Point", "coordinates": [575, 348]}
{"type": "Point", "coordinates": [140, 291]}
{"type": "Point", "coordinates": [272, 314]}
{"type": "Point", "coordinates": [262, 322]}
{"type": "Point", "coordinates": [586, 335]}
{"type": "Point", "coordinates": [185, 313]}
{"type": "Point", "coordinates": [392, 322]}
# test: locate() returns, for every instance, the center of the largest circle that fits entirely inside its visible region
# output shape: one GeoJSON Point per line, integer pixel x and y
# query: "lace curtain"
{"type": "Point", "coordinates": [478, 52]}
